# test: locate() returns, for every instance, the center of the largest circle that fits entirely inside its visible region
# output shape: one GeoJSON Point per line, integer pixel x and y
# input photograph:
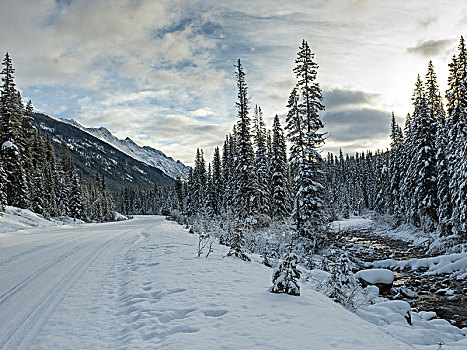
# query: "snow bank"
{"type": "Point", "coordinates": [376, 276]}
{"type": "Point", "coordinates": [119, 217]}
{"type": "Point", "coordinates": [15, 219]}
{"type": "Point", "coordinates": [455, 264]}
{"type": "Point", "coordinates": [351, 224]}
{"type": "Point", "coordinates": [424, 329]}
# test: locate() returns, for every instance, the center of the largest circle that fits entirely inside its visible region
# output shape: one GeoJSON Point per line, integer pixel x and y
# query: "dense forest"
{"type": "Point", "coordinates": [257, 197]}
{"type": "Point", "coordinates": [32, 175]}
{"type": "Point", "coordinates": [268, 179]}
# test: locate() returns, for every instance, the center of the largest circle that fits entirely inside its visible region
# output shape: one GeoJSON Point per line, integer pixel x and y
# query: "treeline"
{"type": "Point", "coordinates": [32, 176]}
{"type": "Point", "coordinates": [423, 177]}
{"type": "Point", "coordinates": [421, 180]}
{"type": "Point", "coordinates": [252, 184]}
{"type": "Point", "coordinates": [149, 201]}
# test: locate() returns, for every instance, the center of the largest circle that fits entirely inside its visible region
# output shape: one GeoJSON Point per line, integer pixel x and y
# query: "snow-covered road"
{"type": "Point", "coordinates": [139, 285]}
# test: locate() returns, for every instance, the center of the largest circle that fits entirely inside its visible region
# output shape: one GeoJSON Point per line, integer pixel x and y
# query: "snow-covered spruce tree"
{"type": "Point", "coordinates": [216, 183]}
{"type": "Point", "coordinates": [442, 184]}
{"type": "Point", "coordinates": [341, 285]}
{"type": "Point", "coordinates": [456, 154]}
{"type": "Point", "coordinates": [199, 182]}
{"type": "Point", "coordinates": [269, 171]}
{"type": "Point", "coordinates": [285, 277]}
{"type": "Point", "coordinates": [76, 198]}
{"type": "Point", "coordinates": [435, 111]}
{"type": "Point", "coordinates": [38, 202]}
{"type": "Point", "coordinates": [303, 127]}
{"type": "Point", "coordinates": [382, 182]}
{"type": "Point", "coordinates": [11, 110]}
{"type": "Point", "coordinates": [424, 159]}
{"type": "Point", "coordinates": [280, 200]}
{"type": "Point", "coordinates": [237, 242]}
{"type": "Point", "coordinates": [245, 196]}
{"type": "Point", "coordinates": [261, 162]}
{"type": "Point", "coordinates": [178, 188]}
{"type": "Point", "coordinates": [209, 197]}
{"type": "Point", "coordinates": [189, 202]}
{"type": "Point", "coordinates": [108, 205]}
{"type": "Point", "coordinates": [407, 180]}
{"type": "Point", "coordinates": [395, 171]}
{"type": "Point", "coordinates": [227, 176]}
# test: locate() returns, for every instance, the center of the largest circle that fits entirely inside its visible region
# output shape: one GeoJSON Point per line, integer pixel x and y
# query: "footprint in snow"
{"type": "Point", "coordinates": [214, 313]}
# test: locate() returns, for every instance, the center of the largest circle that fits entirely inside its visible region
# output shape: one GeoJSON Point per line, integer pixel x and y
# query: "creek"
{"type": "Point", "coordinates": [443, 294]}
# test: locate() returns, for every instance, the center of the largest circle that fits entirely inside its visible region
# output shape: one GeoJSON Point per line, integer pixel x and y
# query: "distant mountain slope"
{"type": "Point", "coordinates": [145, 154]}
{"type": "Point", "coordinates": [92, 155]}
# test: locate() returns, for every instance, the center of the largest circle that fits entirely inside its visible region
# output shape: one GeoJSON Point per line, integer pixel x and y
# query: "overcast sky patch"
{"type": "Point", "coordinates": [162, 71]}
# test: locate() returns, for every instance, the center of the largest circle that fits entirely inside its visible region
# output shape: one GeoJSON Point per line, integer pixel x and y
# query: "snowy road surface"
{"type": "Point", "coordinates": [138, 284]}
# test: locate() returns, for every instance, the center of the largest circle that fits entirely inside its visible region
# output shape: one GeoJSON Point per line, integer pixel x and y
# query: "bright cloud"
{"type": "Point", "coordinates": [161, 72]}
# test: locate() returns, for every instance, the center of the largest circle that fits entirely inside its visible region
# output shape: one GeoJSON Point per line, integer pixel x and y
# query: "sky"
{"type": "Point", "coordinates": [162, 72]}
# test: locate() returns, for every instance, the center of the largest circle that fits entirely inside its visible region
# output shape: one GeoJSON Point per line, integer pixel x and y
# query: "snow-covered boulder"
{"type": "Point", "coordinates": [382, 278]}
{"type": "Point", "coordinates": [119, 217]}
{"type": "Point", "coordinates": [392, 310]}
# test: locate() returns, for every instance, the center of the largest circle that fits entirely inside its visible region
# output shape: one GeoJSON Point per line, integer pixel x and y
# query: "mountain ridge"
{"type": "Point", "coordinates": [92, 155]}
{"type": "Point", "coordinates": [146, 154]}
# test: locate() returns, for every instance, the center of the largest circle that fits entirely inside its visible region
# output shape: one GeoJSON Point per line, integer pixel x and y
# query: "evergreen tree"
{"type": "Point", "coordinates": [280, 202]}
{"type": "Point", "coordinates": [285, 277]}
{"type": "Point", "coordinates": [442, 184]}
{"type": "Point", "coordinates": [3, 196]}
{"type": "Point", "coordinates": [227, 170]}
{"type": "Point", "coordinates": [407, 180]}
{"type": "Point", "coordinates": [199, 182]}
{"type": "Point", "coordinates": [245, 197]}
{"type": "Point", "coordinates": [217, 185]}
{"type": "Point", "coordinates": [424, 157]}
{"type": "Point", "coordinates": [261, 162]}
{"type": "Point", "coordinates": [456, 154]}
{"type": "Point", "coordinates": [237, 242]}
{"type": "Point", "coordinates": [303, 125]}
{"type": "Point", "coordinates": [17, 188]}
{"type": "Point", "coordinates": [395, 171]}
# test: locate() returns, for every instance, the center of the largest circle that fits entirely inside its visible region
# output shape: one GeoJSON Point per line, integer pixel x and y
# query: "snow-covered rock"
{"type": "Point", "coordinates": [382, 277]}
{"type": "Point", "coordinates": [408, 293]}
{"type": "Point", "coordinates": [455, 264]}
{"type": "Point", "coordinates": [391, 310]}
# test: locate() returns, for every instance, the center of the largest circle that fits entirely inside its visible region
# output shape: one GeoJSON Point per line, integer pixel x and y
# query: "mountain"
{"type": "Point", "coordinates": [145, 154]}
{"type": "Point", "coordinates": [93, 155]}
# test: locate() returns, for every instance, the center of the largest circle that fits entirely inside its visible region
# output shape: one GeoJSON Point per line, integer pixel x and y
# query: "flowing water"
{"type": "Point", "coordinates": [442, 294]}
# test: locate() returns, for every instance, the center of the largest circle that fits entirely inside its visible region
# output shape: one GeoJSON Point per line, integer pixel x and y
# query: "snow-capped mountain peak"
{"type": "Point", "coordinates": [145, 154]}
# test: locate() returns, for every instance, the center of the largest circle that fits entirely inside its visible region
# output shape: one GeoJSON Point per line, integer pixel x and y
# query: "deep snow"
{"type": "Point", "coordinates": [138, 284]}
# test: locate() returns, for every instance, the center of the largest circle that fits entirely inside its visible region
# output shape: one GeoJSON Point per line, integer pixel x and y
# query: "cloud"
{"type": "Point", "coordinates": [430, 48]}
{"type": "Point", "coordinates": [202, 112]}
{"type": "Point", "coordinates": [356, 129]}
{"type": "Point", "coordinates": [161, 71]}
{"type": "Point", "coordinates": [336, 98]}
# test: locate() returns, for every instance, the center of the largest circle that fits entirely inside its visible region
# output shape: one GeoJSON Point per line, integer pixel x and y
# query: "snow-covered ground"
{"type": "Point", "coordinates": [353, 223]}
{"type": "Point", "coordinates": [16, 220]}
{"type": "Point", "coordinates": [138, 284]}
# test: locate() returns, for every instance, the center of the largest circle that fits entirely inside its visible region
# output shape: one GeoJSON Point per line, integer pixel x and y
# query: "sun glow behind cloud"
{"type": "Point", "coordinates": [161, 72]}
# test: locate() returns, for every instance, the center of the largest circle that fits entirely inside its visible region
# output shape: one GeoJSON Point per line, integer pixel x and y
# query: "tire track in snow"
{"type": "Point", "coordinates": [6, 263]}
{"type": "Point", "coordinates": [37, 273]}
{"type": "Point", "coordinates": [24, 330]}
